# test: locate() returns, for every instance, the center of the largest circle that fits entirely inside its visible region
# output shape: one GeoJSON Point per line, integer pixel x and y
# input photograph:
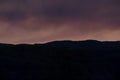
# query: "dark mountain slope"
{"type": "Point", "coordinates": [61, 60]}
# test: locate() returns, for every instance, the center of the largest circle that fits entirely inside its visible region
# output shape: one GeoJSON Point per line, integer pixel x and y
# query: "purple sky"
{"type": "Point", "coordinates": [38, 21]}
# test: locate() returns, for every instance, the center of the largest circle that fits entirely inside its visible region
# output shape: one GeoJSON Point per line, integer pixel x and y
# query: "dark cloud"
{"type": "Point", "coordinates": [45, 20]}
{"type": "Point", "coordinates": [61, 8]}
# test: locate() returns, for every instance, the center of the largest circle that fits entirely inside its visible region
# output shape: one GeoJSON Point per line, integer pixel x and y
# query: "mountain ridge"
{"type": "Point", "coordinates": [74, 44]}
{"type": "Point", "coordinates": [61, 60]}
{"type": "Point", "coordinates": [63, 41]}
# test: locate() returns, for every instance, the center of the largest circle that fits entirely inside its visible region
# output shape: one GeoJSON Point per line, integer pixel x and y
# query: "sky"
{"type": "Point", "coordinates": [41, 21]}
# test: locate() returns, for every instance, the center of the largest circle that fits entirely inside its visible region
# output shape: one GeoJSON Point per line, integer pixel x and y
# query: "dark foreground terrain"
{"type": "Point", "coordinates": [61, 60]}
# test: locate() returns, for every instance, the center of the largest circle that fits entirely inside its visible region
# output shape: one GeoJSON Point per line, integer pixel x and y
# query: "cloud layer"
{"type": "Point", "coordinates": [36, 21]}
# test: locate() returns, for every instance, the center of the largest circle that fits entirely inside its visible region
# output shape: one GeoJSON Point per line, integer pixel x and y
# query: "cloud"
{"type": "Point", "coordinates": [29, 21]}
{"type": "Point", "coordinates": [60, 8]}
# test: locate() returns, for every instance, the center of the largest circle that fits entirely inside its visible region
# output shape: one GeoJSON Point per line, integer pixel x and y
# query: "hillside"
{"type": "Point", "coordinates": [61, 60]}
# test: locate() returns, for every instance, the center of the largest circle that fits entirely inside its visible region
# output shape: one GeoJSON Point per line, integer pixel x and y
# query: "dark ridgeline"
{"type": "Point", "coordinates": [61, 60]}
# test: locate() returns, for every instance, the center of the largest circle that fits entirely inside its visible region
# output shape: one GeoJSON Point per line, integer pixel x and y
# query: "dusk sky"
{"type": "Point", "coordinates": [38, 21]}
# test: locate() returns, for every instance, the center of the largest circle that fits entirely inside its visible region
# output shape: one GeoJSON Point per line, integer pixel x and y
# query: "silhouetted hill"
{"type": "Point", "coordinates": [61, 60]}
